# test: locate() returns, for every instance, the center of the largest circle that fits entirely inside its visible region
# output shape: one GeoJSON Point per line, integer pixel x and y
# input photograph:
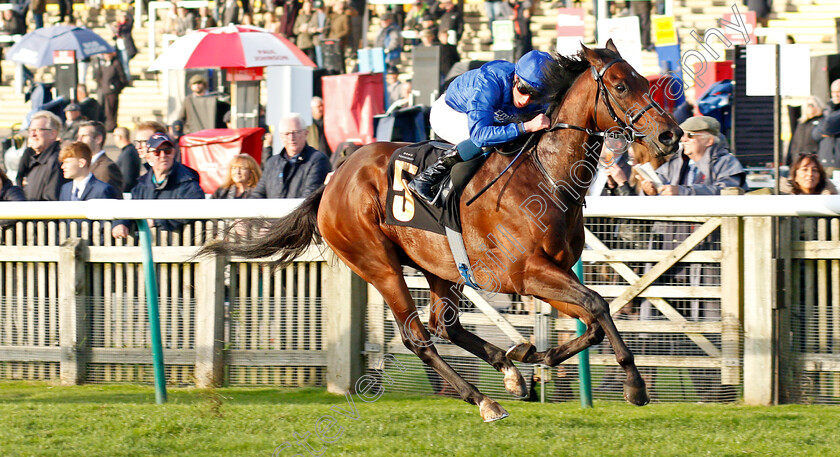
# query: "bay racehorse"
{"type": "Point", "coordinates": [527, 228]}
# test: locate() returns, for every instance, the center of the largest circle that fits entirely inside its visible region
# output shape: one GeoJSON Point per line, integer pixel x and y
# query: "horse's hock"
{"type": "Point", "coordinates": [699, 321]}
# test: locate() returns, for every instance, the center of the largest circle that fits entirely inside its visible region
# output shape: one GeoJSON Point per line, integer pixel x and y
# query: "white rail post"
{"type": "Point", "coordinates": [73, 334]}
{"type": "Point", "coordinates": [209, 322]}
{"type": "Point", "coordinates": [344, 300]}
{"type": "Point", "coordinates": [731, 282]}
{"type": "Point", "coordinates": [759, 300]}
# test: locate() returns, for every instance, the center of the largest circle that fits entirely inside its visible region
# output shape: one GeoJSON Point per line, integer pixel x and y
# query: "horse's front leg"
{"type": "Point", "coordinates": [562, 290]}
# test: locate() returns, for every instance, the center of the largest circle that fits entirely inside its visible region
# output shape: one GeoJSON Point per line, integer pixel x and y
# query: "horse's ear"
{"type": "Point", "coordinates": [590, 55]}
{"type": "Point", "coordinates": [611, 46]}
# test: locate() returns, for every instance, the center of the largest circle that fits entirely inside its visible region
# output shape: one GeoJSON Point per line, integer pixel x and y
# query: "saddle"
{"type": "Point", "coordinates": [404, 209]}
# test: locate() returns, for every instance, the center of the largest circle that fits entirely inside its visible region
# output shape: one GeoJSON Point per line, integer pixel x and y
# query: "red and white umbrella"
{"type": "Point", "coordinates": [232, 46]}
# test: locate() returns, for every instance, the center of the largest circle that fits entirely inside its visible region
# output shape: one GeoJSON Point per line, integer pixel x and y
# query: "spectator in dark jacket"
{"type": "Point", "coordinates": [122, 36]}
{"type": "Point", "coordinates": [39, 173]}
{"type": "Point", "coordinates": [167, 179]}
{"type": "Point", "coordinates": [827, 132]}
{"type": "Point", "coordinates": [801, 141]}
{"type": "Point", "coordinates": [128, 161]}
{"type": "Point", "coordinates": [9, 193]}
{"type": "Point", "coordinates": [92, 133]}
{"type": "Point", "coordinates": [111, 79]}
{"type": "Point", "coordinates": [73, 119]}
{"type": "Point", "coordinates": [297, 170]}
{"type": "Point", "coordinates": [91, 109]}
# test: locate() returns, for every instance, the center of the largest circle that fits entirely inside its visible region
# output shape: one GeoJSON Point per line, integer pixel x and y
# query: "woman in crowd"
{"type": "Point", "coordinates": [807, 177]}
{"type": "Point", "coordinates": [801, 142]}
{"type": "Point", "coordinates": [243, 175]}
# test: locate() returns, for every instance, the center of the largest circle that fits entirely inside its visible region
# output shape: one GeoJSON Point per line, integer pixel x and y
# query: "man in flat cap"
{"type": "Point", "coordinates": [703, 167]}
{"type": "Point", "coordinates": [73, 119]}
{"type": "Point", "coordinates": [192, 114]}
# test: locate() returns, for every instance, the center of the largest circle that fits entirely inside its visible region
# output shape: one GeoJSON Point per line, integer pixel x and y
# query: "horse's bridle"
{"type": "Point", "coordinates": [629, 132]}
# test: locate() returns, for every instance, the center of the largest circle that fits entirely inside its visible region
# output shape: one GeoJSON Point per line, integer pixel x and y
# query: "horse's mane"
{"type": "Point", "coordinates": [562, 73]}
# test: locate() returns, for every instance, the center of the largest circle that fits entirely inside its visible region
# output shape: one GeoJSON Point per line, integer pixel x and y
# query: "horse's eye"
{"type": "Point", "coordinates": [620, 87]}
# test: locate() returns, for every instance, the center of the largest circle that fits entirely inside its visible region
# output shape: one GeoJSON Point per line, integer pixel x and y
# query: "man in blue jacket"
{"type": "Point", "coordinates": [479, 109]}
{"type": "Point", "coordinates": [167, 180]}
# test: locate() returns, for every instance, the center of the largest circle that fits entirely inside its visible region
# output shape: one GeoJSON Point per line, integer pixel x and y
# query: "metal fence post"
{"type": "Point", "coordinates": [759, 300]}
{"type": "Point", "coordinates": [73, 333]}
{"type": "Point", "coordinates": [344, 300]}
{"type": "Point", "coordinates": [209, 322]}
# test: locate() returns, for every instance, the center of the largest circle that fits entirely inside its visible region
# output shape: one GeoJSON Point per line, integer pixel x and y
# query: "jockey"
{"type": "Point", "coordinates": [478, 110]}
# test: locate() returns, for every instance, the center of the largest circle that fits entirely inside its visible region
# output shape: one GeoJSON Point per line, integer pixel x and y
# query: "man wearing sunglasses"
{"type": "Point", "coordinates": [703, 166]}
{"type": "Point", "coordinates": [168, 179]}
{"type": "Point", "coordinates": [479, 109]}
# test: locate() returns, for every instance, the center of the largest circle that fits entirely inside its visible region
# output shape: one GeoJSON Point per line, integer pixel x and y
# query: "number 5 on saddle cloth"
{"type": "Point", "coordinates": [406, 210]}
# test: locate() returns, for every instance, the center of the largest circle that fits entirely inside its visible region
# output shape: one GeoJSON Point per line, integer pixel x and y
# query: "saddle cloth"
{"type": "Point", "coordinates": [405, 209]}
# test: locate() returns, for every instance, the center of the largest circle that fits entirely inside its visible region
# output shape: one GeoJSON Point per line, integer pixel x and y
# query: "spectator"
{"type": "Point", "coordinates": [297, 170]}
{"type": "Point", "coordinates": [168, 179]}
{"type": "Point", "coordinates": [315, 133]}
{"type": "Point", "coordinates": [827, 131]}
{"type": "Point", "coordinates": [205, 19]}
{"type": "Point", "coordinates": [129, 160]}
{"type": "Point", "coordinates": [390, 40]}
{"type": "Point", "coordinates": [807, 177]}
{"type": "Point", "coordinates": [144, 131]}
{"type": "Point", "coordinates": [522, 27]}
{"type": "Point", "coordinates": [9, 193]}
{"type": "Point", "coordinates": [642, 8]}
{"type": "Point", "coordinates": [428, 38]}
{"type": "Point", "coordinates": [91, 109]}
{"type": "Point", "coordinates": [13, 23]}
{"type": "Point", "coordinates": [450, 21]}
{"type": "Point", "coordinates": [242, 176]}
{"type": "Point", "coordinates": [111, 80]}
{"type": "Point", "coordinates": [65, 11]}
{"type": "Point", "coordinates": [39, 173]}
{"type": "Point", "coordinates": [38, 8]}
{"type": "Point", "coordinates": [494, 10]}
{"type": "Point", "coordinates": [318, 26]}
{"type": "Point", "coordinates": [73, 119]}
{"type": "Point", "coordinates": [801, 142]}
{"type": "Point", "coordinates": [414, 16]}
{"type": "Point", "coordinates": [287, 18]}
{"type": "Point", "coordinates": [125, 42]}
{"type": "Point", "coordinates": [267, 149]}
{"type": "Point", "coordinates": [185, 22]}
{"type": "Point", "coordinates": [229, 12]}
{"type": "Point", "coordinates": [304, 30]}
{"type": "Point", "coordinates": [394, 88]}
{"type": "Point", "coordinates": [92, 133]}
{"type": "Point", "coordinates": [359, 6]}
{"type": "Point", "coordinates": [705, 167]}
{"type": "Point", "coordinates": [338, 29]}
{"type": "Point", "coordinates": [190, 111]}
{"type": "Point", "coordinates": [75, 160]}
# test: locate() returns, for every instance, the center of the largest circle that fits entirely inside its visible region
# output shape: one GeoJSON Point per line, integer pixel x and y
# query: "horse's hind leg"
{"type": "Point", "coordinates": [445, 323]}
{"type": "Point", "coordinates": [561, 288]}
{"type": "Point", "coordinates": [377, 263]}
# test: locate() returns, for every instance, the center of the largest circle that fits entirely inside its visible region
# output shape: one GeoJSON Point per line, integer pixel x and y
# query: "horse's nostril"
{"type": "Point", "coordinates": [666, 138]}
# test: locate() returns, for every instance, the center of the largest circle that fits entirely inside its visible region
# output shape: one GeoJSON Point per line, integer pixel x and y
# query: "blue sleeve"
{"type": "Point", "coordinates": [489, 97]}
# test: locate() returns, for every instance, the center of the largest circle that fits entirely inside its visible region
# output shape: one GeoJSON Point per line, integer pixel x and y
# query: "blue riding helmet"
{"type": "Point", "coordinates": [530, 68]}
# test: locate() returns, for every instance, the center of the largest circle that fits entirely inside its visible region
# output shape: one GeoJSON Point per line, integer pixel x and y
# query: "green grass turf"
{"type": "Point", "coordinates": [39, 419]}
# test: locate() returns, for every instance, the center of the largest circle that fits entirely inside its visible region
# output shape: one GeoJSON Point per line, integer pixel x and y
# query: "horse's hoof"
{"type": "Point", "coordinates": [515, 383]}
{"type": "Point", "coordinates": [491, 411]}
{"type": "Point", "coordinates": [520, 352]}
{"type": "Point", "coordinates": [636, 395]}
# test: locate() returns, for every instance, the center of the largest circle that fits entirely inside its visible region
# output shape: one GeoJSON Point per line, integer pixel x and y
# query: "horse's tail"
{"type": "Point", "coordinates": [289, 236]}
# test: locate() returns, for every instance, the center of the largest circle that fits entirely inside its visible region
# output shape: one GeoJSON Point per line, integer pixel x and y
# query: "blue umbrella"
{"type": "Point", "coordinates": [36, 48]}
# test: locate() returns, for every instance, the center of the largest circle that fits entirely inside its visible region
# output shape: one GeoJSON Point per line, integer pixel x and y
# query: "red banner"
{"type": "Point", "coordinates": [350, 102]}
{"type": "Point", "coordinates": [210, 151]}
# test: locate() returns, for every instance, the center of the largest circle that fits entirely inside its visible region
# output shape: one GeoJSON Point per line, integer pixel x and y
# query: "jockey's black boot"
{"type": "Point", "coordinates": [423, 183]}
